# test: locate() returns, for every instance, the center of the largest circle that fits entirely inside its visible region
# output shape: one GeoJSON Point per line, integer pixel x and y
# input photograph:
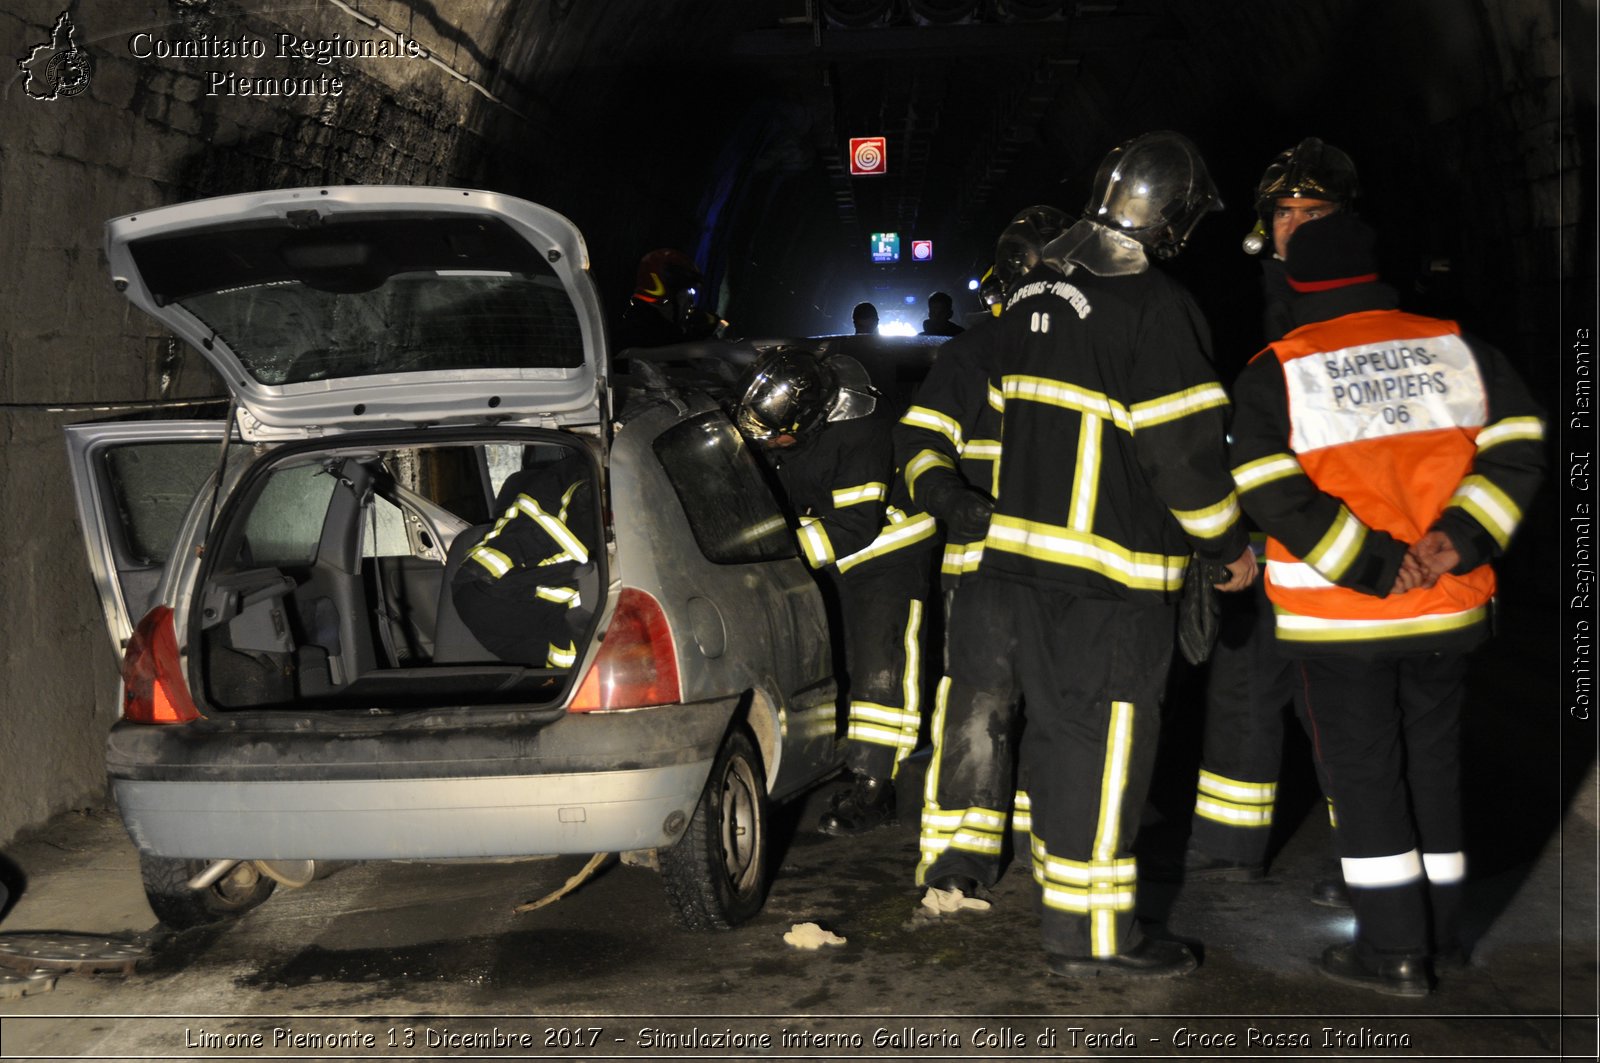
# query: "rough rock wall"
{"type": "Point", "coordinates": [149, 130]}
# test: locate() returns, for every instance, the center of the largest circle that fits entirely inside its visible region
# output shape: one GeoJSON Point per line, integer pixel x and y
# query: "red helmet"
{"type": "Point", "coordinates": [664, 273]}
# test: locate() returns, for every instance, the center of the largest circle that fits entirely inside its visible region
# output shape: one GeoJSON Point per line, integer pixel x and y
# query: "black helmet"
{"type": "Point", "coordinates": [788, 392]}
{"type": "Point", "coordinates": [1153, 188]}
{"type": "Point", "coordinates": [1309, 170]}
{"type": "Point", "coordinates": [1017, 250]}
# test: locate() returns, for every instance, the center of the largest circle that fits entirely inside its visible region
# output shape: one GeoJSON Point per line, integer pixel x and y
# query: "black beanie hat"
{"type": "Point", "coordinates": [1332, 252]}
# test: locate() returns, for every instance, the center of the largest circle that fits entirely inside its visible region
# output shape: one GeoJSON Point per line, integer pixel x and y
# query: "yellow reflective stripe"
{"type": "Point", "coordinates": [1178, 405]}
{"type": "Point", "coordinates": [1211, 521]}
{"type": "Point", "coordinates": [1233, 815]}
{"type": "Point", "coordinates": [959, 559]}
{"type": "Point", "coordinates": [911, 678]}
{"type": "Point", "coordinates": [1067, 396]}
{"type": "Point", "coordinates": [554, 527]}
{"type": "Point", "coordinates": [1489, 506]}
{"type": "Point", "coordinates": [1260, 793]}
{"type": "Point", "coordinates": [1096, 888]}
{"type": "Point", "coordinates": [1254, 474]}
{"type": "Point", "coordinates": [934, 421]}
{"type": "Point", "coordinates": [1333, 820]}
{"type": "Point", "coordinates": [982, 450]}
{"type": "Point", "coordinates": [1340, 545]}
{"type": "Point", "coordinates": [997, 400]}
{"type": "Point", "coordinates": [1086, 479]}
{"type": "Point", "coordinates": [561, 656]}
{"type": "Point", "coordinates": [497, 563]}
{"type": "Point", "coordinates": [925, 460]}
{"type": "Point", "coordinates": [1114, 780]}
{"type": "Point", "coordinates": [1370, 871]}
{"type": "Point", "coordinates": [1108, 830]}
{"type": "Point", "coordinates": [1234, 802]}
{"type": "Point", "coordinates": [1444, 868]}
{"type": "Point", "coordinates": [854, 496]}
{"type": "Point", "coordinates": [1510, 429]}
{"type": "Point", "coordinates": [1293, 627]}
{"type": "Point", "coordinates": [1063, 546]}
{"type": "Point", "coordinates": [894, 536]}
{"type": "Point", "coordinates": [566, 500]}
{"type": "Point", "coordinates": [1296, 575]}
{"type": "Point", "coordinates": [560, 595]}
{"type": "Point", "coordinates": [814, 542]}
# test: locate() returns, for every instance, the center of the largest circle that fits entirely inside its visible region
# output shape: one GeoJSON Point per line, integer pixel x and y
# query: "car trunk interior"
{"type": "Point", "coordinates": [331, 586]}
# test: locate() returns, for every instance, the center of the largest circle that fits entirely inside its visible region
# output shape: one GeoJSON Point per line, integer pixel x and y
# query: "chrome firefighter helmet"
{"type": "Point", "coordinates": [788, 394]}
{"type": "Point", "coordinates": [1154, 189]}
{"type": "Point", "coordinates": [1016, 253]}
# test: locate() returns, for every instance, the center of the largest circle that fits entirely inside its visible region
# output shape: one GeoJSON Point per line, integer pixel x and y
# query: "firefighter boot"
{"type": "Point", "coordinates": [867, 805]}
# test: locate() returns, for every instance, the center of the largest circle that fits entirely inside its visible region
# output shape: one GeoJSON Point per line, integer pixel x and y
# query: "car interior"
{"type": "Point", "coordinates": [331, 581]}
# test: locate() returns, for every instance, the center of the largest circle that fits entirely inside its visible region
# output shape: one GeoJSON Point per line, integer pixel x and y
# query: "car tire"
{"type": "Point", "coordinates": [181, 908]}
{"type": "Point", "coordinates": [716, 876]}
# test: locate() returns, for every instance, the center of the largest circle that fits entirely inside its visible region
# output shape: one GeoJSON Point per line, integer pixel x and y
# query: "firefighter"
{"type": "Point", "coordinates": [519, 590]}
{"type": "Point", "coordinates": [1389, 458]}
{"type": "Point", "coordinates": [813, 421]}
{"type": "Point", "coordinates": [1114, 474]}
{"type": "Point", "coordinates": [1248, 683]}
{"type": "Point", "coordinates": [665, 305]}
{"type": "Point", "coordinates": [948, 443]}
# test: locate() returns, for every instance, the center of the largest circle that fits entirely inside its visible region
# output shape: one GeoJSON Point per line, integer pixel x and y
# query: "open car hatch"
{"type": "Point", "coordinates": [357, 308]}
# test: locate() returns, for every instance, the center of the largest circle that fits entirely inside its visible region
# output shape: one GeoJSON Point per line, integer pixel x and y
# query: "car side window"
{"type": "Point", "coordinates": [732, 513]}
{"type": "Point", "coordinates": [153, 485]}
{"type": "Point", "coordinates": [285, 523]}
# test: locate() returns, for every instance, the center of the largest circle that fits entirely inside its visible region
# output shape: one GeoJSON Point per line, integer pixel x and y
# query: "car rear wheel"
{"type": "Point", "coordinates": [181, 908]}
{"type": "Point", "coordinates": [716, 876]}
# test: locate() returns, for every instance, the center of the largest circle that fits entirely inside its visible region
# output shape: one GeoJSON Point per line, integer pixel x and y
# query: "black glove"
{"type": "Point", "coordinates": [968, 516]}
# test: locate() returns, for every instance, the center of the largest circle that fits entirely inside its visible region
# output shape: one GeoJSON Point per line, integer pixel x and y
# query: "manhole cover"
{"type": "Point", "coordinates": [16, 984]}
{"type": "Point", "coordinates": [81, 953]}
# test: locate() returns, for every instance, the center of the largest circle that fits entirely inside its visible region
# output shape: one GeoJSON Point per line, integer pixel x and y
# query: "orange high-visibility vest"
{"type": "Point", "coordinates": [1384, 410]}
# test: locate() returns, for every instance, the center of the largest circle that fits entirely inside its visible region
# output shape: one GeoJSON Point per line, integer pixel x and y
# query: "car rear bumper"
{"type": "Point", "coordinates": [597, 782]}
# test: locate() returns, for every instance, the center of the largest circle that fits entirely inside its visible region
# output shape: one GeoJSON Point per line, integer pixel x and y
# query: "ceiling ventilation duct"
{"type": "Point", "coordinates": [943, 12]}
{"type": "Point", "coordinates": [1027, 10]}
{"type": "Point", "coordinates": [854, 14]}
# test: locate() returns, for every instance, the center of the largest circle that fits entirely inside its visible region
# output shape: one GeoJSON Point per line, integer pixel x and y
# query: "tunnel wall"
{"type": "Point", "coordinates": [145, 133]}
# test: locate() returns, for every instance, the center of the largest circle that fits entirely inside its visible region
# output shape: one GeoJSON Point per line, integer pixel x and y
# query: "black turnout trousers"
{"type": "Point", "coordinates": [1092, 672]}
{"type": "Point", "coordinates": [1386, 732]}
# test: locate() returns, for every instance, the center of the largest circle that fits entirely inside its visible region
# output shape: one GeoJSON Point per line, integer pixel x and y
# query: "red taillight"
{"type": "Point", "coordinates": [637, 665]}
{"type": "Point", "coordinates": [153, 690]}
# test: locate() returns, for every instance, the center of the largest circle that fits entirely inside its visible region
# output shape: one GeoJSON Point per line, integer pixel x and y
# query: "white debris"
{"type": "Point", "coordinates": [943, 902]}
{"type": "Point", "coordinates": [811, 936]}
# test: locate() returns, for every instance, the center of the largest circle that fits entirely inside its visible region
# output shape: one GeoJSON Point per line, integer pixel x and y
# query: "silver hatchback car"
{"type": "Point", "coordinates": [298, 685]}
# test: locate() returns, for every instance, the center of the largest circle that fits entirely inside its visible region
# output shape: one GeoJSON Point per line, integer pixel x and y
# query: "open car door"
{"type": "Point", "coordinates": [135, 484]}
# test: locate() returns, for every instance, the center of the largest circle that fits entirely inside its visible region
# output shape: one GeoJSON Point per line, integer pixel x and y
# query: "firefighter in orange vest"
{"type": "Point", "coordinates": [1389, 458]}
{"type": "Point", "coordinates": [1248, 684]}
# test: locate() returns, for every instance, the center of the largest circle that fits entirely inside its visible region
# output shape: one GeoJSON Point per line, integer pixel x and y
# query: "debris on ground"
{"type": "Point", "coordinates": [945, 902]}
{"type": "Point", "coordinates": [811, 936]}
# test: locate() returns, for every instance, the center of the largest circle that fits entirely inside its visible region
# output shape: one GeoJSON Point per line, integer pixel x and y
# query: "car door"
{"type": "Point", "coordinates": [137, 488]}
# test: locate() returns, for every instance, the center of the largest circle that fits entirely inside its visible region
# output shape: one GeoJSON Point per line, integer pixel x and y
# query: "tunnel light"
{"type": "Point", "coordinates": [896, 328]}
{"type": "Point", "coordinates": [911, 300]}
{"type": "Point", "coordinates": [972, 284]}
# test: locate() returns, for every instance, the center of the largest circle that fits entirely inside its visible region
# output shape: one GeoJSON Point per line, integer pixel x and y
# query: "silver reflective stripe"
{"type": "Point", "coordinates": [1445, 868]}
{"type": "Point", "coordinates": [1378, 871]}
